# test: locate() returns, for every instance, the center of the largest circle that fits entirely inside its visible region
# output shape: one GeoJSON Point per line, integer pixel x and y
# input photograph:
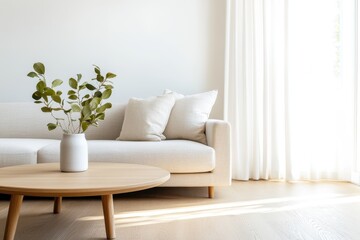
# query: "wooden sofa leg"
{"type": "Point", "coordinates": [211, 191]}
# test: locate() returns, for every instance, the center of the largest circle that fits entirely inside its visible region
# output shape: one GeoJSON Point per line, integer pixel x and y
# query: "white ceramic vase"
{"type": "Point", "coordinates": [73, 153]}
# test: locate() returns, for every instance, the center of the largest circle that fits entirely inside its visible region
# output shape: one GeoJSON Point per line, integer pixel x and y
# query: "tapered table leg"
{"type": "Point", "coordinates": [13, 216]}
{"type": "Point", "coordinates": [108, 208]}
{"type": "Point", "coordinates": [57, 205]}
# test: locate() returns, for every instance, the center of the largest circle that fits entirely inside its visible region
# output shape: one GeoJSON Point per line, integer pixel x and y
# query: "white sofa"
{"type": "Point", "coordinates": [24, 139]}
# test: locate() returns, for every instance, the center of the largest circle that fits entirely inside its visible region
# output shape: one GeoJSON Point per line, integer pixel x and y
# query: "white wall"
{"type": "Point", "coordinates": [150, 44]}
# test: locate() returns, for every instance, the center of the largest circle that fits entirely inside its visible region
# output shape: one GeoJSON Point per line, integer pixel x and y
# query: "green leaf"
{"type": "Point", "coordinates": [106, 94]}
{"type": "Point", "coordinates": [36, 95]}
{"type": "Point", "coordinates": [40, 86]}
{"type": "Point", "coordinates": [87, 96]}
{"type": "Point", "coordinates": [44, 96]}
{"type": "Point", "coordinates": [75, 108]}
{"type": "Point", "coordinates": [97, 69]}
{"type": "Point", "coordinates": [39, 68]}
{"type": "Point", "coordinates": [56, 82]}
{"type": "Point", "coordinates": [51, 126]}
{"type": "Point", "coordinates": [46, 109]}
{"type": "Point", "coordinates": [73, 97]}
{"type": "Point", "coordinates": [97, 100]}
{"type": "Point", "coordinates": [49, 91]}
{"type": "Point", "coordinates": [99, 78]}
{"type": "Point", "coordinates": [71, 92]}
{"type": "Point", "coordinates": [79, 76]}
{"type": "Point", "coordinates": [86, 102]}
{"type": "Point", "coordinates": [94, 103]}
{"type": "Point", "coordinates": [109, 87]}
{"type": "Point", "coordinates": [56, 109]}
{"type": "Point", "coordinates": [73, 83]}
{"type": "Point", "coordinates": [84, 126]}
{"type": "Point", "coordinates": [108, 105]}
{"type": "Point", "coordinates": [58, 93]}
{"type": "Point", "coordinates": [86, 112]}
{"type": "Point", "coordinates": [67, 111]}
{"type": "Point", "coordinates": [103, 107]}
{"type": "Point", "coordinates": [110, 75]}
{"type": "Point", "coordinates": [32, 74]}
{"type": "Point", "coordinates": [98, 94]}
{"type": "Point", "coordinates": [56, 98]}
{"type": "Point", "coordinates": [90, 87]}
{"type": "Point", "coordinates": [37, 102]}
{"type": "Point", "coordinates": [100, 109]}
{"type": "Point", "coordinates": [100, 116]}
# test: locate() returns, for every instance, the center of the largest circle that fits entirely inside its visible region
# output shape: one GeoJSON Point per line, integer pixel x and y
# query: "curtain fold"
{"type": "Point", "coordinates": [289, 95]}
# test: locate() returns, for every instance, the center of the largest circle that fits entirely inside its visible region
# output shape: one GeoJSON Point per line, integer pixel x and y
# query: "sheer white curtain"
{"type": "Point", "coordinates": [290, 88]}
{"type": "Point", "coordinates": [356, 169]}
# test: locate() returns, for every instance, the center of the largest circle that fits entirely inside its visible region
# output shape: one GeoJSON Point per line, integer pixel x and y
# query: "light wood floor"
{"type": "Point", "coordinates": [246, 210]}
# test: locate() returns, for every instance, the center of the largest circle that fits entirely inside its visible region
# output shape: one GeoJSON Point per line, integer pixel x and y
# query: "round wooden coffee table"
{"type": "Point", "coordinates": [101, 179]}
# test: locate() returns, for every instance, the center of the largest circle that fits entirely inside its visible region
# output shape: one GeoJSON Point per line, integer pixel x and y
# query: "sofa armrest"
{"type": "Point", "coordinates": [218, 137]}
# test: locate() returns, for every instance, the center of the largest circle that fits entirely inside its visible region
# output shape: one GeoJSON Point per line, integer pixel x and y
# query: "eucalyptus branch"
{"type": "Point", "coordinates": [58, 123]}
{"type": "Point", "coordinates": [90, 106]}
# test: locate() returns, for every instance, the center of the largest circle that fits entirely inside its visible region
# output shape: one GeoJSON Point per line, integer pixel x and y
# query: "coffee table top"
{"type": "Point", "coordinates": [100, 179]}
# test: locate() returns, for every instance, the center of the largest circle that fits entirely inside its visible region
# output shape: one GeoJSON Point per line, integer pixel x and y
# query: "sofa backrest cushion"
{"type": "Point", "coordinates": [25, 120]}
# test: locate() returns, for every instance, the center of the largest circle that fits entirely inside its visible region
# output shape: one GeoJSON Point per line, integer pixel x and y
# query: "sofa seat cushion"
{"type": "Point", "coordinates": [176, 156]}
{"type": "Point", "coordinates": [18, 151]}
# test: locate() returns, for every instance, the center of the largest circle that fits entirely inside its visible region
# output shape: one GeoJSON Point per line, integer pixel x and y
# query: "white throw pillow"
{"type": "Point", "coordinates": [189, 115]}
{"type": "Point", "coordinates": [146, 119]}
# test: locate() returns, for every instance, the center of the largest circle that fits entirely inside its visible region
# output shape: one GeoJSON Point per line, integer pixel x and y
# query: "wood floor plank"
{"type": "Point", "coordinates": [247, 210]}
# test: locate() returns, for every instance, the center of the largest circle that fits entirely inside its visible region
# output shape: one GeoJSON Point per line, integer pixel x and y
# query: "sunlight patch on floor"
{"type": "Point", "coordinates": [271, 205]}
